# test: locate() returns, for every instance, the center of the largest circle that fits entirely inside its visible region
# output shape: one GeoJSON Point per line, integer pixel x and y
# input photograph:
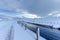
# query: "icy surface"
{"type": "Point", "coordinates": [4, 28]}
{"type": "Point", "coordinates": [19, 31]}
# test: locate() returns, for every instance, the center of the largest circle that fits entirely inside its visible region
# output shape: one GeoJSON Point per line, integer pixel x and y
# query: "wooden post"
{"type": "Point", "coordinates": [25, 26]}
{"type": "Point", "coordinates": [37, 33]}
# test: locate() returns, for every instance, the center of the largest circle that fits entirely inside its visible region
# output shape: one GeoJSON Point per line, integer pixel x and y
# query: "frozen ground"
{"type": "Point", "coordinates": [18, 32]}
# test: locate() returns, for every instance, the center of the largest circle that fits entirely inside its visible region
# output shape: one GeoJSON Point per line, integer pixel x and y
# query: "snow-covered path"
{"type": "Point", "coordinates": [4, 29]}
{"type": "Point", "coordinates": [19, 32]}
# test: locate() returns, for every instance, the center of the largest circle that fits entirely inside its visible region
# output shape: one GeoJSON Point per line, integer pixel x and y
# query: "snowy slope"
{"type": "Point", "coordinates": [22, 34]}
{"type": "Point", "coordinates": [55, 22]}
{"type": "Point", "coordinates": [19, 31]}
{"type": "Point", "coordinates": [4, 29]}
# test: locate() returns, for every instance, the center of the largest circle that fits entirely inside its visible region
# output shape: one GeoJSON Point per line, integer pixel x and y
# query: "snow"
{"type": "Point", "coordinates": [19, 32]}
{"type": "Point", "coordinates": [22, 34]}
{"type": "Point", "coordinates": [55, 22]}
{"type": "Point", "coordinates": [4, 28]}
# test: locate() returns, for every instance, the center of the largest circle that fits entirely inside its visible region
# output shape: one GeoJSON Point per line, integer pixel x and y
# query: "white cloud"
{"type": "Point", "coordinates": [56, 1]}
{"type": "Point", "coordinates": [10, 4]}
{"type": "Point", "coordinates": [55, 13]}
{"type": "Point", "coordinates": [25, 14]}
{"type": "Point", "coordinates": [28, 15]}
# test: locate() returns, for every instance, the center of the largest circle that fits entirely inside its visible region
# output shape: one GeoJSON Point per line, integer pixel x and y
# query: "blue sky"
{"type": "Point", "coordinates": [42, 8]}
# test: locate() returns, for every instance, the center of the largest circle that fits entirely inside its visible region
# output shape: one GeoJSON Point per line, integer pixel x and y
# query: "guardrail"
{"type": "Point", "coordinates": [44, 30]}
{"type": "Point", "coordinates": [31, 27]}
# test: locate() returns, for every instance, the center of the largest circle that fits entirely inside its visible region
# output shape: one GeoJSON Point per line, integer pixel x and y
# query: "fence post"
{"type": "Point", "coordinates": [37, 33]}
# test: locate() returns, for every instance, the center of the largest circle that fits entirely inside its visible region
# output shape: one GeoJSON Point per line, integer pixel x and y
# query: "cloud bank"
{"type": "Point", "coordinates": [55, 13]}
{"type": "Point", "coordinates": [26, 14]}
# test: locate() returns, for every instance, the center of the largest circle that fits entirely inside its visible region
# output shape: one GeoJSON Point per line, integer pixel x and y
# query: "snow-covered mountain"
{"type": "Point", "coordinates": [52, 21]}
{"type": "Point", "coordinates": [4, 17]}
